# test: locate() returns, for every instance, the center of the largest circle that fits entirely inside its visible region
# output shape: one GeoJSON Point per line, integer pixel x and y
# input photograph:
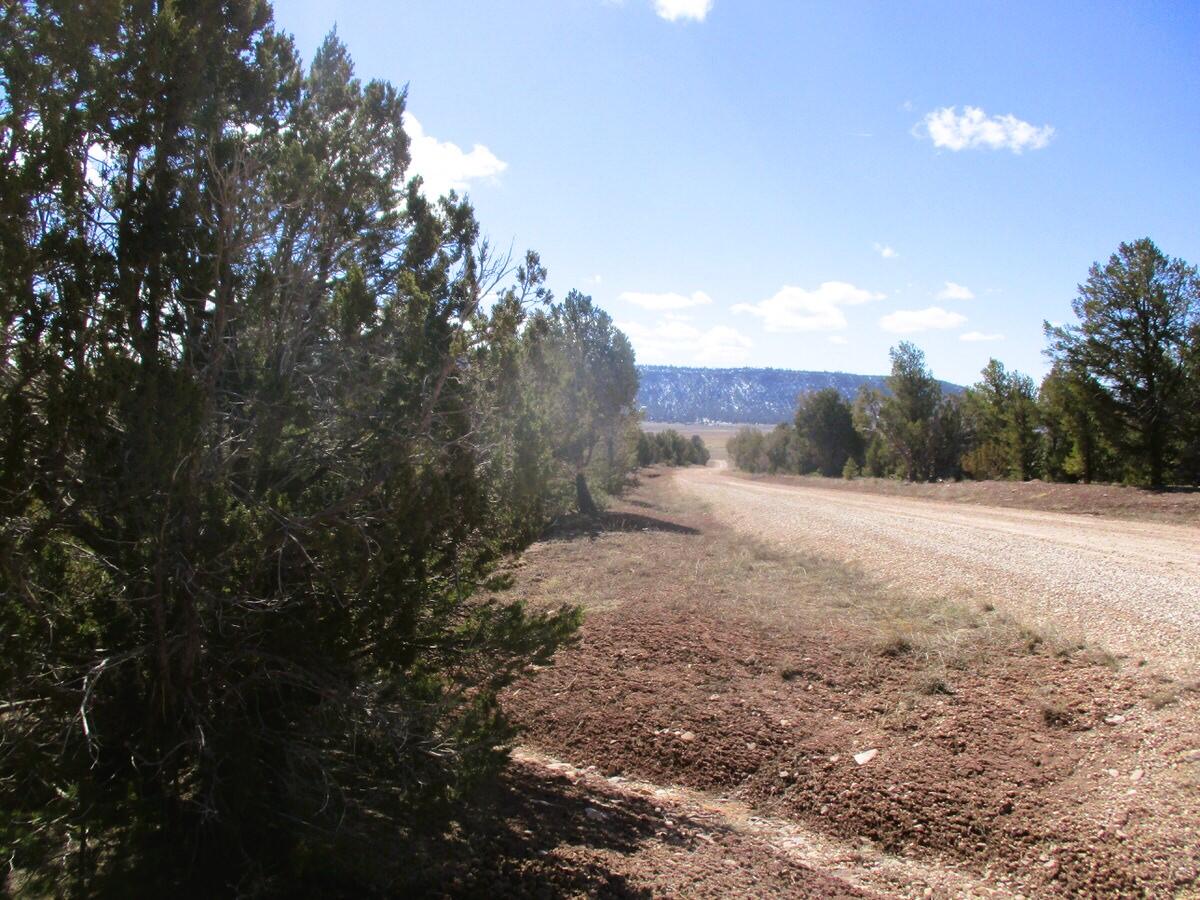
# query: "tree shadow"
{"type": "Point", "coordinates": [527, 836]}
{"type": "Point", "coordinates": [575, 526]}
{"type": "Point", "coordinates": [640, 504]}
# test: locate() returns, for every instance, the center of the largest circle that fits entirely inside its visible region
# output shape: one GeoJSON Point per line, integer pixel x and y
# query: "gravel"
{"type": "Point", "coordinates": [1130, 587]}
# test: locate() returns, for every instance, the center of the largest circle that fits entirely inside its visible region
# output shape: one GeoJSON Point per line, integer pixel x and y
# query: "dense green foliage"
{"type": "Point", "coordinates": [268, 417]}
{"type": "Point", "coordinates": [1139, 316]}
{"type": "Point", "coordinates": [1121, 402]}
{"type": "Point", "coordinates": [670, 448]}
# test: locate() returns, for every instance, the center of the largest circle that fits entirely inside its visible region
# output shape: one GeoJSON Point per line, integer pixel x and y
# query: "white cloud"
{"type": "Point", "coordinates": [975, 128]}
{"type": "Point", "coordinates": [445, 166]}
{"type": "Point", "coordinates": [674, 10]}
{"type": "Point", "coordinates": [674, 342]}
{"type": "Point", "coordinates": [976, 337]}
{"type": "Point", "coordinates": [954, 291]}
{"type": "Point", "coordinates": [886, 251]}
{"type": "Point", "coordinates": [795, 309]}
{"type": "Point", "coordinates": [838, 339]}
{"type": "Point", "coordinates": [666, 301]}
{"type": "Point", "coordinates": [910, 321]}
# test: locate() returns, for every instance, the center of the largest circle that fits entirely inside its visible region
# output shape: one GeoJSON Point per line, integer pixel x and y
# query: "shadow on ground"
{"type": "Point", "coordinates": [538, 837]}
{"type": "Point", "coordinates": [569, 528]}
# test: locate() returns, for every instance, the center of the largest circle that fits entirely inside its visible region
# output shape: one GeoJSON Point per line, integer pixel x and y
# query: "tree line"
{"type": "Point", "coordinates": [669, 447]}
{"type": "Point", "coordinates": [269, 417]}
{"type": "Point", "coordinates": [1121, 402]}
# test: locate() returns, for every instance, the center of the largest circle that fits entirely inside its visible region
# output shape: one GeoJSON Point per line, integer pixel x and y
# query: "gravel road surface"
{"type": "Point", "coordinates": [1130, 587]}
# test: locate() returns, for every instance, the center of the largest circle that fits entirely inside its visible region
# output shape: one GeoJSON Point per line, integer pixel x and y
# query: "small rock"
{"type": "Point", "coordinates": [687, 737]}
{"type": "Point", "coordinates": [714, 696]}
{"type": "Point", "coordinates": [1111, 773]}
{"type": "Point", "coordinates": [1136, 775]}
{"type": "Point", "coordinates": [865, 757]}
{"type": "Point", "coordinates": [835, 757]}
{"type": "Point", "coordinates": [750, 745]}
{"type": "Point", "coordinates": [594, 814]}
{"type": "Point", "coordinates": [1114, 720]}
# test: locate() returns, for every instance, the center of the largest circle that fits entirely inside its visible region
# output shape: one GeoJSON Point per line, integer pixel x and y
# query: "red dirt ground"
{"type": "Point", "coordinates": [1040, 772]}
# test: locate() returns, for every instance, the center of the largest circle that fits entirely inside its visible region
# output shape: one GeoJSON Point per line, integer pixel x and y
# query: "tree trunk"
{"type": "Point", "coordinates": [583, 497]}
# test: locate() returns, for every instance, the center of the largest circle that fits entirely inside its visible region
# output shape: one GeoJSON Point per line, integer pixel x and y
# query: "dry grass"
{"type": "Point", "coordinates": [780, 590]}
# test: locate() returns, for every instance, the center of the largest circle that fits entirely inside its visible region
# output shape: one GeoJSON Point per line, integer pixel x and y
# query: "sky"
{"type": "Point", "coordinates": [802, 185]}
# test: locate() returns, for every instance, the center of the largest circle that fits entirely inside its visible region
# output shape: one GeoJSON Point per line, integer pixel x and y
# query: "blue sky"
{"type": "Point", "coordinates": [802, 185]}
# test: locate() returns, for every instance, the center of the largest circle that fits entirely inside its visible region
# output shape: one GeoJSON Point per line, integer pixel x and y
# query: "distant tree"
{"type": "Point", "coordinates": [1135, 315]}
{"type": "Point", "coordinates": [908, 414]}
{"type": "Point", "coordinates": [950, 438]}
{"type": "Point", "coordinates": [747, 450]}
{"type": "Point", "coordinates": [878, 459]}
{"type": "Point", "coordinates": [1000, 413]}
{"type": "Point", "coordinates": [597, 383]}
{"type": "Point", "coordinates": [1073, 445]}
{"type": "Point", "coordinates": [646, 450]}
{"type": "Point", "coordinates": [1189, 438]}
{"type": "Point", "coordinates": [825, 426]}
{"type": "Point", "coordinates": [785, 451]}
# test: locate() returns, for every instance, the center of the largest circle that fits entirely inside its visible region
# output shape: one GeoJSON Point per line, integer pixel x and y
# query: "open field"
{"type": "Point", "coordinates": [748, 717]}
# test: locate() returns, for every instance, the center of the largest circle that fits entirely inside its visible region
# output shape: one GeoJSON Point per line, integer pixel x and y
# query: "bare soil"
{"type": "Point", "coordinates": [734, 683]}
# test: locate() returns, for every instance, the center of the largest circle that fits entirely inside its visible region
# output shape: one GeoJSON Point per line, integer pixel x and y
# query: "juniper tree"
{"type": "Point", "coordinates": [1134, 315]}
{"type": "Point", "coordinates": [245, 379]}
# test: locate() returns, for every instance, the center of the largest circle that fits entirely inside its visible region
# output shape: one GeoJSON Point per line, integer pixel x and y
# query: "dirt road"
{"type": "Point", "coordinates": [1131, 587]}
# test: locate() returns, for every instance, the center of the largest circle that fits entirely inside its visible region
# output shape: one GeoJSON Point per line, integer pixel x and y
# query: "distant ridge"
{"type": "Point", "coordinates": [752, 396]}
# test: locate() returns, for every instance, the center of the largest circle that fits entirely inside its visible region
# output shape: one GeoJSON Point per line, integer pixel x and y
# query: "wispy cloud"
{"type": "Point", "coordinates": [910, 321]}
{"type": "Point", "coordinates": [976, 129]}
{"type": "Point", "coordinates": [795, 309]}
{"type": "Point", "coordinates": [673, 342]}
{"type": "Point", "coordinates": [954, 291]}
{"type": "Point", "coordinates": [444, 166]}
{"type": "Point", "coordinates": [667, 301]}
{"type": "Point", "coordinates": [674, 10]}
{"type": "Point", "coordinates": [886, 251]}
{"type": "Point", "coordinates": [976, 337]}
{"type": "Point", "coordinates": [838, 339]}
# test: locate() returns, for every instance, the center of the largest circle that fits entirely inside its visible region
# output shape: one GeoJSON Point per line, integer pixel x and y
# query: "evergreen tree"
{"type": "Point", "coordinates": [1135, 313]}
{"type": "Point", "coordinates": [824, 423]}
{"type": "Point", "coordinates": [1073, 443]}
{"type": "Point", "coordinates": [1001, 420]}
{"type": "Point", "coordinates": [247, 475]}
{"type": "Point", "coordinates": [908, 414]}
{"type": "Point", "coordinates": [593, 365]}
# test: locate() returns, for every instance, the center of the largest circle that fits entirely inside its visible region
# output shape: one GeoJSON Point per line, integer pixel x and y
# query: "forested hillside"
{"type": "Point", "coordinates": [757, 396]}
